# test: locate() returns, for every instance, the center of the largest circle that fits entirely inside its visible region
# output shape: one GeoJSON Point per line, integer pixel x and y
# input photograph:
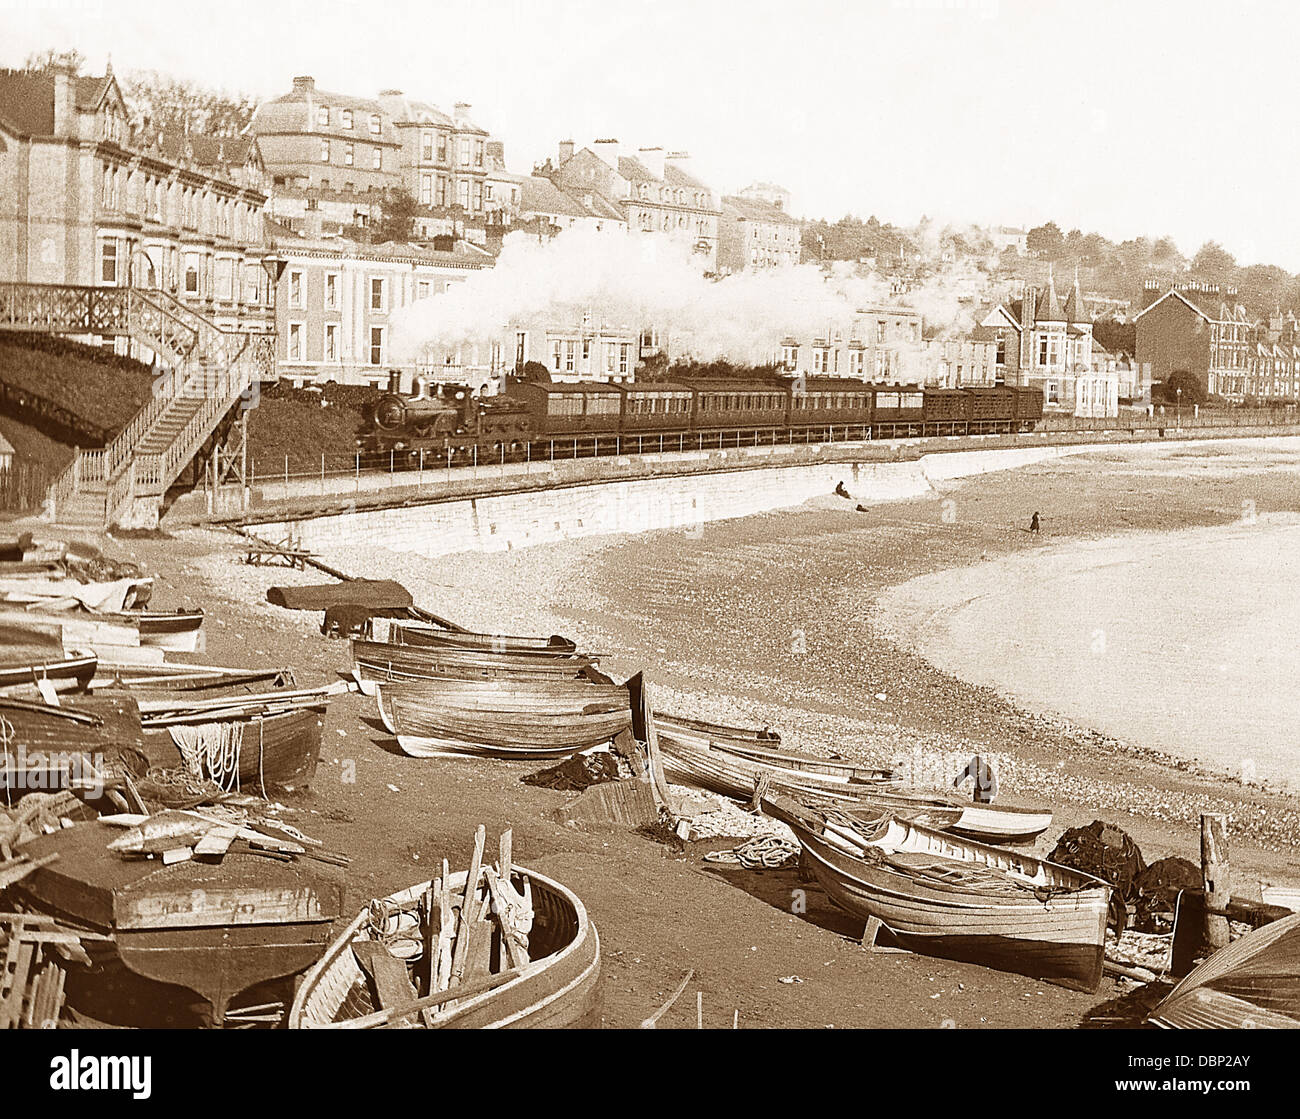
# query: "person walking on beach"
{"type": "Point", "coordinates": [986, 782]}
{"type": "Point", "coordinates": [1033, 524]}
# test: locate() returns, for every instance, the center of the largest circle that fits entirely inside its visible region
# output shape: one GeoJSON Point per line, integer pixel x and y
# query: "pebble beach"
{"type": "Point", "coordinates": [773, 620]}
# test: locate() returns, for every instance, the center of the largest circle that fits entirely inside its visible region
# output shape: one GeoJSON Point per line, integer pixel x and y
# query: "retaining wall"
{"type": "Point", "coordinates": [517, 520]}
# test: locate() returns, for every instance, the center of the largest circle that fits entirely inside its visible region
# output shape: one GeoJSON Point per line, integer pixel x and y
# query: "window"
{"type": "Point", "coordinates": [108, 262]}
{"type": "Point", "coordinates": [349, 154]}
{"type": "Point", "coordinates": [442, 147]}
{"type": "Point", "coordinates": [374, 124]}
{"type": "Point", "coordinates": [462, 193]}
{"type": "Point", "coordinates": [441, 195]}
{"type": "Point", "coordinates": [191, 278]}
{"type": "Point", "coordinates": [377, 159]}
{"type": "Point", "coordinates": [295, 289]}
{"type": "Point", "coordinates": [323, 115]}
{"type": "Point", "coordinates": [346, 116]}
{"type": "Point", "coordinates": [557, 355]}
{"type": "Point", "coordinates": [521, 347]}
{"type": "Point", "coordinates": [464, 151]}
{"type": "Point", "coordinates": [295, 341]}
{"type": "Point", "coordinates": [478, 153]}
{"type": "Point", "coordinates": [586, 352]}
{"type": "Point", "coordinates": [478, 196]}
{"type": "Point", "coordinates": [624, 352]}
{"type": "Point", "coordinates": [331, 291]}
{"type": "Point", "coordinates": [422, 290]}
{"type": "Point", "coordinates": [376, 345]}
{"type": "Point", "coordinates": [426, 190]}
{"type": "Point", "coordinates": [331, 342]}
{"type": "Point", "coordinates": [570, 351]}
{"type": "Point", "coordinates": [855, 363]}
{"type": "Point", "coordinates": [325, 151]}
{"type": "Point", "coordinates": [426, 147]}
{"type": "Point", "coordinates": [377, 294]}
{"type": "Point", "coordinates": [880, 331]}
{"type": "Point", "coordinates": [611, 357]}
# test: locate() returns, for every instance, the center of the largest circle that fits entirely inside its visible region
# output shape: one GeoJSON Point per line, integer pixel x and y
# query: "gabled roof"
{"type": "Point", "coordinates": [541, 196]}
{"type": "Point", "coordinates": [1173, 293]}
{"type": "Point", "coordinates": [1010, 312]}
{"type": "Point", "coordinates": [27, 98]}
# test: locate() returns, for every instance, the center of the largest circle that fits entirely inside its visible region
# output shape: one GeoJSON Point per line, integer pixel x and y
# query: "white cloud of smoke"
{"type": "Point", "coordinates": [622, 281]}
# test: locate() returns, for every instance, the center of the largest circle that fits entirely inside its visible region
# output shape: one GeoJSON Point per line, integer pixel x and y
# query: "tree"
{"type": "Point", "coordinates": [1046, 241]}
{"type": "Point", "coordinates": [1214, 262]}
{"type": "Point", "coordinates": [1193, 392]}
{"type": "Point", "coordinates": [48, 59]}
{"type": "Point", "coordinates": [397, 214]}
{"type": "Point", "coordinates": [175, 105]}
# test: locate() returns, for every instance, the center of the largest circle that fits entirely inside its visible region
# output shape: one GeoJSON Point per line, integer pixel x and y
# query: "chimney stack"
{"type": "Point", "coordinates": [566, 150]}
{"type": "Point", "coordinates": [652, 159]}
{"type": "Point", "coordinates": [461, 112]}
{"type": "Point", "coordinates": [65, 105]}
{"type": "Point", "coordinates": [304, 84]}
{"type": "Point", "coordinates": [608, 150]}
{"type": "Point", "coordinates": [1028, 302]}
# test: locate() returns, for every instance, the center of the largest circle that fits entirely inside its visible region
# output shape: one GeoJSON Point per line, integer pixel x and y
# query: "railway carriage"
{"type": "Point", "coordinates": [736, 405]}
{"type": "Point", "coordinates": [565, 408]}
{"type": "Point", "coordinates": [899, 411]}
{"type": "Point", "coordinates": [830, 402]}
{"type": "Point", "coordinates": [652, 407]}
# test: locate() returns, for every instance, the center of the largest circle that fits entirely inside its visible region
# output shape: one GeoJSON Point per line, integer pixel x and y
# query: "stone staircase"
{"type": "Point", "coordinates": [206, 373]}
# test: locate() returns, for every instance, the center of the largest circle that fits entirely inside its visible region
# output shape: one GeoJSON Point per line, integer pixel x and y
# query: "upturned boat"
{"type": "Point", "coordinates": [421, 633]}
{"type": "Point", "coordinates": [1253, 983]}
{"type": "Point", "coordinates": [502, 718]}
{"type": "Point", "coordinates": [942, 895]}
{"type": "Point", "coordinates": [376, 661]}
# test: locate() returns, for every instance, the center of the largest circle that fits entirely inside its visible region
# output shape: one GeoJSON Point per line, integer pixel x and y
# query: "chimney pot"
{"type": "Point", "coordinates": [566, 150]}
{"type": "Point", "coordinates": [305, 82]}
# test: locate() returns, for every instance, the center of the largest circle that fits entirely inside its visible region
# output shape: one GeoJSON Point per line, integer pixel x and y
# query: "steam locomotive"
{"type": "Point", "coordinates": [449, 421]}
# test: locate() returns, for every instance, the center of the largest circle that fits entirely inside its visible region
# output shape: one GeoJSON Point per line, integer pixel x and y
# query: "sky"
{"type": "Point", "coordinates": [1124, 118]}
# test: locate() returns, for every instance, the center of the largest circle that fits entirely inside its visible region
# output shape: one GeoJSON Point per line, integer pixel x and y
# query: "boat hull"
{"type": "Point", "coordinates": [277, 752]}
{"type": "Point", "coordinates": [564, 993]}
{"type": "Point", "coordinates": [1055, 936]}
{"type": "Point", "coordinates": [65, 674]}
{"type": "Point", "coordinates": [518, 719]}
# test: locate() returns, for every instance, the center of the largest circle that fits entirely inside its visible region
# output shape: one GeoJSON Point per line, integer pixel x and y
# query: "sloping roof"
{"type": "Point", "coordinates": [1074, 308]}
{"type": "Point", "coordinates": [1009, 311]}
{"type": "Point", "coordinates": [634, 171]}
{"type": "Point", "coordinates": [541, 196]}
{"type": "Point", "coordinates": [1049, 306]}
{"type": "Point", "coordinates": [27, 98]}
{"type": "Point", "coordinates": [753, 209]}
{"type": "Point", "coordinates": [675, 176]}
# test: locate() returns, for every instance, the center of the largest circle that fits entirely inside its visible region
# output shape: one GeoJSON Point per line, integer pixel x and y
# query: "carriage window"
{"type": "Point", "coordinates": [886, 400]}
{"type": "Point", "coordinates": [912, 400]}
{"type": "Point", "coordinates": [565, 404]}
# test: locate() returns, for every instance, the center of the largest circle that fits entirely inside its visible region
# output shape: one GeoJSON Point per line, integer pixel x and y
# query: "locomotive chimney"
{"type": "Point", "coordinates": [395, 381]}
{"type": "Point", "coordinates": [417, 388]}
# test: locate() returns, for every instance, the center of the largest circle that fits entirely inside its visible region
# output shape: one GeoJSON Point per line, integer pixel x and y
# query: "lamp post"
{"type": "Point", "coordinates": [1178, 415]}
{"type": "Point", "coordinates": [274, 264]}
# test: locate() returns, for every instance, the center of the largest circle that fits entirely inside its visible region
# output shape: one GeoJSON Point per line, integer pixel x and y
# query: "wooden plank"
{"type": "Point", "coordinates": [468, 914]}
{"type": "Point", "coordinates": [387, 974]}
{"type": "Point", "coordinates": [216, 905]}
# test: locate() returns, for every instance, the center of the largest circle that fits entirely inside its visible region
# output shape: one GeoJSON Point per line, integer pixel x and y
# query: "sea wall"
{"type": "Point", "coordinates": [517, 520]}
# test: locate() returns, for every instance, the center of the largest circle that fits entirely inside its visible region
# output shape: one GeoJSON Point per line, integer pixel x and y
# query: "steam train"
{"type": "Point", "coordinates": [449, 421]}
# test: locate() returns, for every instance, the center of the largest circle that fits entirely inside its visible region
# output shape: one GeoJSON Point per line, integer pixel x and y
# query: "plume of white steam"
{"type": "Point", "coordinates": [620, 281]}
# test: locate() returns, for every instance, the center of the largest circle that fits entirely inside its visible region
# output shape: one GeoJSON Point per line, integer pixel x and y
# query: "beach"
{"type": "Point", "coordinates": [772, 620]}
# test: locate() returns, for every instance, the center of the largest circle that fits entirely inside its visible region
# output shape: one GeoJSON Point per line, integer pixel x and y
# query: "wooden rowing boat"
{"type": "Point", "coordinates": [502, 718]}
{"type": "Point", "coordinates": [258, 743]}
{"type": "Point", "coordinates": [208, 680]}
{"type": "Point", "coordinates": [945, 896]}
{"type": "Point", "coordinates": [65, 673]}
{"type": "Point", "coordinates": [1253, 983]}
{"type": "Point", "coordinates": [729, 761]}
{"type": "Point", "coordinates": [557, 988]}
{"type": "Point", "coordinates": [416, 633]}
{"type": "Point", "coordinates": [376, 661]}
{"type": "Point", "coordinates": [176, 630]}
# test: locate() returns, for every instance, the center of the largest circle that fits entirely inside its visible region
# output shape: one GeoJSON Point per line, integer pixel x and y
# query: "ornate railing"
{"type": "Point", "coordinates": [205, 364]}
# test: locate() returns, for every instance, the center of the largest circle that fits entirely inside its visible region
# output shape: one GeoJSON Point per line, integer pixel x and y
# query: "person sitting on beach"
{"type": "Point", "coordinates": [1033, 524]}
{"type": "Point", "coordinates": [986, 782]}
{"type": "Point", "coordinates": [841, 491]}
